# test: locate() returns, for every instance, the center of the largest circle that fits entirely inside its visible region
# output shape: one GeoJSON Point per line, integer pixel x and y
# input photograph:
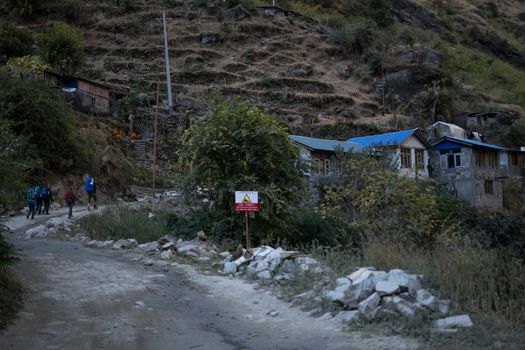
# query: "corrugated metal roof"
{"type": "Point", "coordinates": [388, 139]}
{"type": "Point", "coordinates": [471, 143]}
{"type": "Point", "coordinates": [326, 145]}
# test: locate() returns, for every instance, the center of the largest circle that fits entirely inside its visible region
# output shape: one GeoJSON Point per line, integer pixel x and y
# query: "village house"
{"type": "Point", "coordinates": [88, 96]}
{"type": "Point", "coordinates": [475, 171]}
{"type": "Point", "coordinates": [410, 150]}
{"type": "Point", "coordinates": [320, 155]}
{"type": "Point", "coordinates": [483, 121]}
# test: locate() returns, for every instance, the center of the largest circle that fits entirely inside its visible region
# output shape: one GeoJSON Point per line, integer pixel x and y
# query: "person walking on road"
{"type": "Point", "coordinates": [30, 201]}
{"type": "Point", "coordinates": [91, 191]}
{"type": "Point", "coordinates": [45, 194]}
{"type": "Point", "coordinates": [70, 201]}
{"type": "Point", "coordinates": [38, 198]}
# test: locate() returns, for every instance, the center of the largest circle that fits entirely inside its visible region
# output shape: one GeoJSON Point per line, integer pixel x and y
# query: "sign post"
{"type": "Point", "coordinates": [246, 201]}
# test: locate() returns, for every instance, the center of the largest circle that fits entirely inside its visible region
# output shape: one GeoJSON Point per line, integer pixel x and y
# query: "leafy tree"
{"type": "Point", "coordinates": [25, 67]}
{"type": "Point", "coordinates": [40, 119]}
{"type": "Point", "coordinates": [14, 41]}
{"type": "Point", "coordinates": [239, 147]}
{"type": "Point", "coordinates": [61, 47]}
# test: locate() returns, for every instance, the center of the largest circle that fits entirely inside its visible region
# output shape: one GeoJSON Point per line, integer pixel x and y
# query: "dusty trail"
{"type": "Point", "coordinates": [82, 298]}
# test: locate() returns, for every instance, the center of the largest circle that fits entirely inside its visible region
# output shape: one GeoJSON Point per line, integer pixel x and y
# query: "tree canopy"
{"type": "Point", "coordinates": [61, 46]}
{"type": "Point", "coordinates": [239, 147]}
{"type": "Point", "coordinates": [14, 41]}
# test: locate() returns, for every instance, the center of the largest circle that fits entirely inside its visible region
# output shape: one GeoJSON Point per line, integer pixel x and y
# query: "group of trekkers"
{"type": "Point", "coordinates": [38, 198]}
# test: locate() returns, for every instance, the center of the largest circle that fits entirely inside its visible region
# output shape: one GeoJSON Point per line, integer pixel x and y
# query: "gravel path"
{"type": "Point", "coordinates": [82, 298]}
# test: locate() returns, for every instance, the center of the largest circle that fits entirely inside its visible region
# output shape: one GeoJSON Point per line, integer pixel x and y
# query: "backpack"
{"type": "Point", "coordinates": [70, 196]}
{"type": "Point", "coordinates": [90, 184]}
{"type": "Point", "coordinates": [44, 192]}
{"type": "Point", "coordinates": [30, 195]}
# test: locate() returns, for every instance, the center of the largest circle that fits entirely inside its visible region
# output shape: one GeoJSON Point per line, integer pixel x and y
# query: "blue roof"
{"type": "Point", "coordinates": [326, 145]}
{"type": "Point", "coordinates": [389, 139]}
{"type": "Point", "coordinates": [453, 142]}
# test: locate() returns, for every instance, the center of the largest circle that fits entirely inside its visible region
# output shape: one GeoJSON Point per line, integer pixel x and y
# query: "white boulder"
{"type": "Point", "coordinates": [166, 255]}
{"type": "Point", "coordinates": [461, 321]}
{"type": "Point", "coordinates": [386, 288]}
{"type": "Point", "coordinates": [369, 304]}
{"type": "Point", "coordinates": [230, 268]}
{"type": "Point", "coordinates": [425, 298]}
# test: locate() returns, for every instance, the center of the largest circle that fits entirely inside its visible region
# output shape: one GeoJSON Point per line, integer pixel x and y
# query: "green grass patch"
{"type": "Point", "coordinates": [120, 222]}
{"type": "Point", "coordinates": [498, 78]}
{"type": "Point", "coordinates": [10, 289]}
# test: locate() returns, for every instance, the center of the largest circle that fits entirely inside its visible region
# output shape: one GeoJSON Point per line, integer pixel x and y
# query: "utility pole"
{"type": "Point", "coordinates": [167, 62]}
{"type": "Point", "coordinates": [154, 170]}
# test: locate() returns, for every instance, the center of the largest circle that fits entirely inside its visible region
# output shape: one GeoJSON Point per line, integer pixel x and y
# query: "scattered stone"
{"type": "Point", "coordinates": [407, 282]}
{"type": "Point", "coordinates": [461, 321]}
{"type": "Point", "coordinates": [369, 304]}
{"type": "Point", "coordinates": [265, 275]}
{"type": "Point", "coordinates": [149, 247]}
{"type": "Point", "coordinates": [201, 236]}
{"type": "Point", "coordinates": [165, 239]}
{"type": "Point", "coordinates": [347, 316]}
{"type": "Point", "coordinates": [306, 263]}
{"type": "Point", "coordinates": [125, 244]}
{"type": "Point", "coordinates": [273, 313]}
{"type": "Point", "coordinates": [140, 303]}
{"type": "Point", "coordinates": [344, 71]}
{"type": "Point", "coordinates": [230, 268]}
{"type": "Point", "coordinates": [425, 298]}
{"type": "Point", "coordinates": [166, 255]}
{"type": "Point", "coordinates": [170, 246]}
{"type": "Point", "coordinates": [386, 288]}
{"type": "Point", "coordinates": [401, 305]}
{"type": "Point", "coordinates": [36, 232]}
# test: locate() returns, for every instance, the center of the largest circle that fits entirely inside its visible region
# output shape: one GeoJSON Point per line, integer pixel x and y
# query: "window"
{"type": "Point", "coordinates": [489, 187]}
{"type": "Point", "coordinates": [514, 159]}
{"type": "Point", "coordinates": [480, 159]}
{"type": "Point", "coordinates": [323, 166]}
{"type": "Point", "coordinates": [451, 159]}
{"type": "Point", "coordinates": [406, 158]}
{"type": "Point", "coordinates": [327, 169]}
{"type": "Point", "coordinates": [420, 159]}
{"type": "Point", "coordinates": [492, 159]}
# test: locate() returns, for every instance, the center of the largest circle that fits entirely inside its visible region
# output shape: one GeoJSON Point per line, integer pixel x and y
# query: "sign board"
{"type": "Point", "coordinates": [246, 201]}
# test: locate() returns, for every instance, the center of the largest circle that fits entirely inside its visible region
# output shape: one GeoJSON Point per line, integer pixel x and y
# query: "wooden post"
{"type": "Point", "coordinates": [154, 170]}
{"type": "Point", "coordinates": [247, 233]}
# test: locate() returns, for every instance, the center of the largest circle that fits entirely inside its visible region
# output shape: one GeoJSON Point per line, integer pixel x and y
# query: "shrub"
{"type": "Point", "coordinates": [14, 41]}
{"type": "Point", "coordinates": [356, 37]}
{"type": "Point", "coordinates": [61, 47]}
{"type": "Point", "coordinates": [336, 21]}
{"type": "Point", "coordinates": [10, 290]}
{"type": "Point", "coordinates": [24, 8]}
{"type": "Point", "coordinates": [39, 117]}
{"type": "Point", "coordinates": [240, 147]}
{"type": "Point", "coordinates": [120, 222]}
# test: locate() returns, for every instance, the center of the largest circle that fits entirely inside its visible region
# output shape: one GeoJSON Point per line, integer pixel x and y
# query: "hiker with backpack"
{"type": "Point", "coordinates": [91, 190]}
{"type": "Point", "coordinates": [39, 200]}
{"type": "Point", "coordinates": [30, 201]}
{"type": "Point", "coordinates": [70, 201]}
{"type": "Point", "coordinates": [45, 194]}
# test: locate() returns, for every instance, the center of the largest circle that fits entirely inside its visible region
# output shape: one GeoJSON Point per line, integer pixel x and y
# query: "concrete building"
{"type": "Point", "coordinates": [475, 171]}
{"type": "Point", "coordinates": [410, 150]}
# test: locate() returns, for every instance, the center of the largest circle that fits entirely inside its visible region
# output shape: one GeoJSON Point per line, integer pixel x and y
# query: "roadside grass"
{"type": "Point", "coordinates": [121, 222]}
{"type": "Point", "coordinates": [10, 289]}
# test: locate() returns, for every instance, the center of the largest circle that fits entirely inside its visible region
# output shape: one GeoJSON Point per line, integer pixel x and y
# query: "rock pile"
{"type": "Point", "coordinates": [267, 263]}
{"type": "Point", "coordinates": [51, 228]}
{"type": "Point", "coordinates": [370, 293]}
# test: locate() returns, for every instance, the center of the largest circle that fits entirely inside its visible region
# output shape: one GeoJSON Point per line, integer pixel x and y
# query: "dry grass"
{"type": "Point", "coordinates": [480, 280]}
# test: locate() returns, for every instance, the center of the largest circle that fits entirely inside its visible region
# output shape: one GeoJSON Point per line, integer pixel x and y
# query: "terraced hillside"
{"type": "Point", "coordinates": [283, 63]}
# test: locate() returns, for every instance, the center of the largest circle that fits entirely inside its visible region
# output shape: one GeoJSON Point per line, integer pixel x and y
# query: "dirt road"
{"type": "Point", "coordinates": [82, 298]}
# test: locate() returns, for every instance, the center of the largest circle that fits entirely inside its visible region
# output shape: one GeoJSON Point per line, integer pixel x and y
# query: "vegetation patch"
{"type": "Point", "coordinates": [10, 289]}
{"type": "Point", "coordinates": [121, 222]}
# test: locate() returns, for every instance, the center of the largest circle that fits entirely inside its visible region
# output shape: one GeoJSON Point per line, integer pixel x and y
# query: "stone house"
{"type": "Point", "coordinates": [483, 121]}
{"type": "Point", "coordinates": [320, 156]}
{"type": "Point", "coordinates": [475, 171]}
{"type": "Point", "coordinates": [410, 150]}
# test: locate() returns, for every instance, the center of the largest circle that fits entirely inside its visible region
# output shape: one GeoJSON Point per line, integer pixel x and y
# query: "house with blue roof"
{"type": "Point", "coordinates": [476, 171]}
{"type": "Point", "coordinates": [410, 149]}
{"type": "Point", "coordinates": [320, 154]}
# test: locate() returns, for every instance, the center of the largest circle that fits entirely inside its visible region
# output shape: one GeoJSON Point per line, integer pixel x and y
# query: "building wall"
{"type": "Point", "coordinates": [468, 182]}
{"type": "Point", "coordinates": [93, 95]}
{"type": "Point", "coordinates": [413, 143]}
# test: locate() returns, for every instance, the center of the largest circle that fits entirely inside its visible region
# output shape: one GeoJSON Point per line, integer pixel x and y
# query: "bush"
{"type": "Point", "coordinates": [240, 147]}
{"type": "Point", "coordinates": [61, 47]}
{"type": "Point", "coordinates": [41, 120]}
{"type": "Point", "coordinates": [24, 8]}
{"type": "Point", "coordinates": [10, 290]}
{"type": "Point", "coordinates": [120, 222]}
{"type": "Point", "coordinates": [14, 41]}
{"type": "Point", "coordinates": [356, 37]}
